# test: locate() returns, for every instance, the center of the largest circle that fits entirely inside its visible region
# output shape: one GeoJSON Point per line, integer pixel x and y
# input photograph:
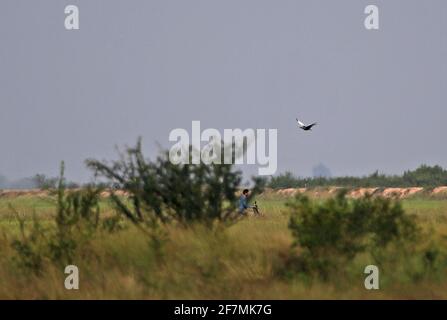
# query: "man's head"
{"type": "Point", "coordinates": [245, 192]}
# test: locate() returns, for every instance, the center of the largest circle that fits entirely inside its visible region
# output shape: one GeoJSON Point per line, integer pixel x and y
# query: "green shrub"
{"type": "Point", "coordinates": [159, 192]}
{"type": "Point", "coordinates": [333, 232]}
{"type": "Point", "coordinates": [77, 218]}
{"type": "Point", "coordinates": [29, 247]}
{"type": "Point", "coordinates": [73, 226]}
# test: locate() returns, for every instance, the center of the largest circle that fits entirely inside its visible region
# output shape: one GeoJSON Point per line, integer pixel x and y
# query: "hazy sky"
{"type": "Point", "coordinates": [146, 67]}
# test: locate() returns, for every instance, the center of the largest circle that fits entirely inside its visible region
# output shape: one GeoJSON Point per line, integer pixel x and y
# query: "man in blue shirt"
{"type": "Point", "coordinates": [243, 202]}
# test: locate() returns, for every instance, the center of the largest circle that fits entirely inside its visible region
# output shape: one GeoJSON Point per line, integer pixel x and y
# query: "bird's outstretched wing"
{"type": "Point", "coordinates": [313, 124]}
{"type": "Point", "coordinates": [300, 123]}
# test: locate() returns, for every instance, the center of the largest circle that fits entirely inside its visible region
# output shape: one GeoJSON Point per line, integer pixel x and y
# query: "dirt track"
{"type": "Point", "coordinates": [289, 192]}
{"type": "Point", "coordinates": [359, 192]}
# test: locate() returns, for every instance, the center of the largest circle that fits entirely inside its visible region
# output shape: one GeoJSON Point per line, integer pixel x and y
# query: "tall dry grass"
{"type": "Point", "coordinates": [245, 261]}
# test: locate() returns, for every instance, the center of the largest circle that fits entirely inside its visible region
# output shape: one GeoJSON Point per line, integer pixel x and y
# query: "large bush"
{"type": "Point", "coordinates": [158, 192]}
{"type": "Point", "coordinates": [333, 232]}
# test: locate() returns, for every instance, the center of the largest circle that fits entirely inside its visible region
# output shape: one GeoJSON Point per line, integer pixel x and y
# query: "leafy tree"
{"type": "Point", "coordinates": [160, 192]}
{"type": "Point", "coordinates": [44, 183]}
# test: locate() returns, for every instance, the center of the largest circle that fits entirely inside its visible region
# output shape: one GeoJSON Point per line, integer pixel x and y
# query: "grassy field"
{"type": "Point", "coordinates": [246, 261]}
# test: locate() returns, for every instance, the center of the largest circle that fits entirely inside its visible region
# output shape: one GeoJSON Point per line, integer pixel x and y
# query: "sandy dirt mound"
{"type": "Point", "coordinates": [12, 193]}
{"type": "Point", "coordinates": [120, 193]}
{"type": "Point", "coordinates": [400, 192]}
{"type": "Point", "coordinates": [104, 194]}
{"type": "Point", "coordinates": [392, 192]}
{"type": "Point", "coordinates": [439, 190]}
{"type": "Point", "coordinates": [288, 192]}
{"type": "Point", "coordinates": [333, 190]}
{"type": "Point", "coordinates": [358, 193]}
{"type": "Point", "coordinates": [412, 191]}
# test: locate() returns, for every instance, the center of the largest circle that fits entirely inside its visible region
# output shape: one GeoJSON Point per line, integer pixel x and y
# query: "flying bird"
{"type": "Point", "coordinates": [305, 127]}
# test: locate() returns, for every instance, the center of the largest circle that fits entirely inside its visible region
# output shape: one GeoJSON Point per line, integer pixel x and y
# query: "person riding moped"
{"type": "Point", "coordinates": [243, 203]}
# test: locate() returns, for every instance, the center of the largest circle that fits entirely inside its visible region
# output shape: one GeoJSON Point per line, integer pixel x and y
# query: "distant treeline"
{"type": "Point", "coordinates": [39, 181]}
{"type": "Point", "coordinates": [24, 183]}
{"type": "Point", "coordinates": [424, 176]}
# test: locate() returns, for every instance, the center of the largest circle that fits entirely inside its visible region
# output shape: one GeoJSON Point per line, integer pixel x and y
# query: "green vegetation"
{"type": "Point", "coordinates": [161, 192]}
{"type": "Point", "coordinates": [253, 259]}
{"type": "Point", "coordinates": [424, 176]}
{"type": "Point", "coordinates": [163, 231]}
{"type": "Point", "coordinates": [333, 233]}
{"type": "Point", "coordinates": [74, 224]}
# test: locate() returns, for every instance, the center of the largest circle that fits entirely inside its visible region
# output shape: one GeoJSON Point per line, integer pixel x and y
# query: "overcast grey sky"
{"type": "Point", "coordinates": [145, 67]}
